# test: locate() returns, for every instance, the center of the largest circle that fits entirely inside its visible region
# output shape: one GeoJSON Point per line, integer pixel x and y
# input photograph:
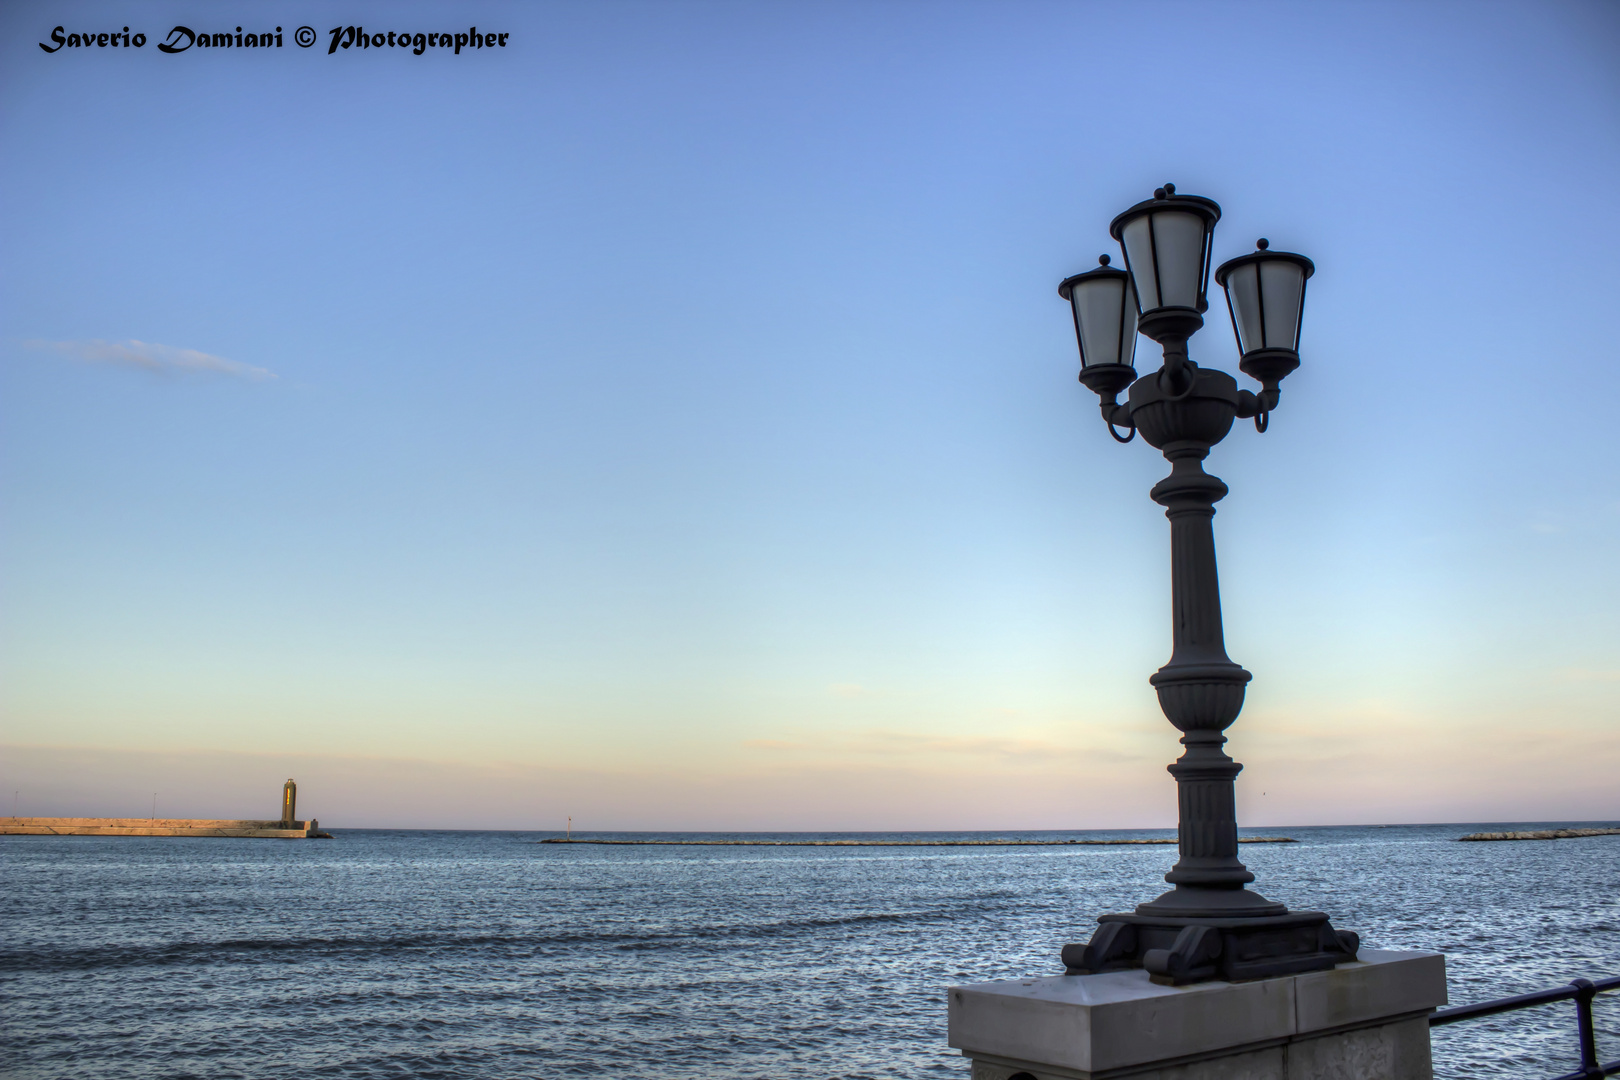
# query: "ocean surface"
{"type": "Point", "coordinates": [486, 954]}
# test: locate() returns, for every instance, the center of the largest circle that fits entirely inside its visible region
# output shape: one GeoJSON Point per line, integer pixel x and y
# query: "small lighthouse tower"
{"type": "Point", "coordinates": [289, 804]}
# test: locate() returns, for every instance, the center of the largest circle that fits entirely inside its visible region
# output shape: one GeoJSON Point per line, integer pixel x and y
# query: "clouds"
{"type": "Point", "coordinates": [158, 359]}
{"type": "Point", "coordinates": [849, 690]}
{"type": "Point", "coordinates": [916, 746]}
{"type": "Point", "coordinates": [1576, 674]}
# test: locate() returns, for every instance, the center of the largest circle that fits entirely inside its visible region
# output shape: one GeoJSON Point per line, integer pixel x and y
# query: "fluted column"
{"type": "Point", "coordinates": [1200, 689]}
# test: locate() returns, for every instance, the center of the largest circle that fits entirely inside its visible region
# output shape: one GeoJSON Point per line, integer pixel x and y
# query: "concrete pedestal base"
{"type": "Point", "coordinates": [1365, 1020]}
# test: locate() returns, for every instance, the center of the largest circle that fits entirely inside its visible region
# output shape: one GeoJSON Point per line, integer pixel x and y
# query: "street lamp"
{"type": "Point", "coordinates": [1209, 926]}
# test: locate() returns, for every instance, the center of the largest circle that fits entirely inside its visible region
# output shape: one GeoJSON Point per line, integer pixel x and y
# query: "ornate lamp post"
{"type": "Point", "coordinates": [1209, 926]}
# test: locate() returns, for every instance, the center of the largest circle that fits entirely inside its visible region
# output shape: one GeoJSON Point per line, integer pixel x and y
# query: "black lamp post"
{"type": "Point", "coordinates": [1209, 926]}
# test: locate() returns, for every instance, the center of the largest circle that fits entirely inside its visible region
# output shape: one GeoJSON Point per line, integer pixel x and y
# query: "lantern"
{"type": "Point", "coordinates": [1167, 243]}
{"type": "Point", "coordinates": [1105, 312]}
{"type": "Point", "coordinates": [1265, 292]}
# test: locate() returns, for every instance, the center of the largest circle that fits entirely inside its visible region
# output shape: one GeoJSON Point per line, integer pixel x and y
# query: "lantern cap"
{"type": "Point", "coordinates": [1263, 254]}
{"type": "Point", "coordinates": [1103, 270]}
{"type": "Point", "coordinates": [1165, 198]}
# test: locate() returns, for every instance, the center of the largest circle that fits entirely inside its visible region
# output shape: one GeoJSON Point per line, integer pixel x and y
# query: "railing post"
{"type": "Point", "coordinates": [1585, 991]}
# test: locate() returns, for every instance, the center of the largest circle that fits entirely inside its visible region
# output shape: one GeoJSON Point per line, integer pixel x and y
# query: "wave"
{"type": "Point", "coordinates": [101, 957]}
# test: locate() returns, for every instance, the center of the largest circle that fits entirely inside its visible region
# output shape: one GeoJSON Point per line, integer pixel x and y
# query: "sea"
{"type": "Point", "coordinates": [490, 955]}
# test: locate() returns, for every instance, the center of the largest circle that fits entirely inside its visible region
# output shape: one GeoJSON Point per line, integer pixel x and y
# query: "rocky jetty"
{"type": "Point", "coordinates": [1541, 834]}
{"type": "Point", "coordinates": [904, 843]}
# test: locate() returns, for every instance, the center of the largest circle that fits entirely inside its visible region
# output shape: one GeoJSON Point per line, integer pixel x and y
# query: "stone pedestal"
{"type": "Point", "coordinates": [1364, 1020]}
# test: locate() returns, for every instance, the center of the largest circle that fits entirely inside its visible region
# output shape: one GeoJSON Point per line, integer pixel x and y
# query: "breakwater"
{"type": "Point", "coordinates": [287, 827]}
{"type": "Point", "coordinates": [898, 843]}
{"type": "Point", "coordinates": [74, 826]}
{"type": "Point", "coordinates": [1541, 834]}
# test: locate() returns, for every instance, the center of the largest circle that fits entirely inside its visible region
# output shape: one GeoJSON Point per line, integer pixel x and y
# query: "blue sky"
{"type": "Point", "coordinates": [670, 419]}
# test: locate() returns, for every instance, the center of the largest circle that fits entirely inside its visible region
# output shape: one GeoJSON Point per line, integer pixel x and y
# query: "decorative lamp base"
{"type": "Point", "coordinates": [1177, 951]}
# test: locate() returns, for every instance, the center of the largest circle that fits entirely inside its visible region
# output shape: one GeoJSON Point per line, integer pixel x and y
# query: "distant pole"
{"type": "Point", "coordinates": [154, 807]}
{"type": "Point", "coordinates": [570, 826]}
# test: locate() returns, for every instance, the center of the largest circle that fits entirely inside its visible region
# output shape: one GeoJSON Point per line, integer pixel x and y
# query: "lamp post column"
{"type": "Point", "coordinates": [1201, 692]}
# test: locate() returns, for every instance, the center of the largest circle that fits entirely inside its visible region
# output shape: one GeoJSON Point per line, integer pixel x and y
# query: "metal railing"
{"type": "Point", "coordinates": [1582, 991]}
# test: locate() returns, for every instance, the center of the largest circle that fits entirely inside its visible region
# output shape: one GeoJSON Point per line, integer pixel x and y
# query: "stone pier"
{"type": "Point", "coordinates": [91, 826]}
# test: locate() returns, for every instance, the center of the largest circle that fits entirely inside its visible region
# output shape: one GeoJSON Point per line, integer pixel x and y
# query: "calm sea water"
{"type": "Point", "coordinates": [485, 954]}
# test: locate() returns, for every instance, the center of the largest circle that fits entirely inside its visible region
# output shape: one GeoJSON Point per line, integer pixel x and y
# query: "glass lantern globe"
{"type": "Point", "coordinates": [1265, 292]}
{"type": "Point", "coordinates": [1104, 305]}
{"type": "Point", "coordinates": [1167, 243]}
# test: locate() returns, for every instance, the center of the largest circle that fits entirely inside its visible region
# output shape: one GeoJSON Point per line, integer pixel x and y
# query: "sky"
{"type": "Point", "coordinates": [667, 419]}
